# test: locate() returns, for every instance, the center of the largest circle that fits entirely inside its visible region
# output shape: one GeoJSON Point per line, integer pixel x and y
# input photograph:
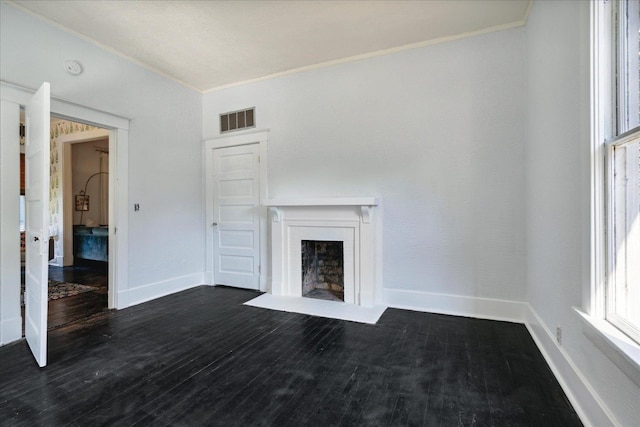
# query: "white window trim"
{"type": "Point", "coordinates": [617, 346]}
{"type": "Point", "coordinates": [627, 84]}
{"type": "Point", "coordinates": [612, 317]}
{"type": "Point", "coordinates": [23, 216]}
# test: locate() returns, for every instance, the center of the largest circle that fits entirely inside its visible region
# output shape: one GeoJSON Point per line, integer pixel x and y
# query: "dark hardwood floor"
{"type": "Point", "coordinates": [200, 357]}
{"type": "Point", "coordinates": [81, 307]}
{"type": "Point", "coordinates": [87, 272]}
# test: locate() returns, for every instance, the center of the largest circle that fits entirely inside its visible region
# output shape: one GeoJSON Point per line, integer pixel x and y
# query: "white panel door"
{"type": "Point", "coordinates": [236, 213]}
{"type": "Point", "coordinates": [37, 223]}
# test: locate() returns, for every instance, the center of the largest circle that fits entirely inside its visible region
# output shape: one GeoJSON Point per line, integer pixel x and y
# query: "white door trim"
{"type": "Point", "coordinates": [64, 152]}
{"type": "Point", "coordinates": [260, 137]}
{"type": "Point", "coordinates": [10, 316]}
{"type": "Point", "coordinates": [118, 127]}
{"type": "Point", "coordinates": [66, 109]}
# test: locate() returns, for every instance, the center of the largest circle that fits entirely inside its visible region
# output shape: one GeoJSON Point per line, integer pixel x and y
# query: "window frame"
{"type": "Point", "coordinates": [23, 213]}
{"type": "Point", "coordinates": [618, 347]}
{"type": "Point", "coordinates": [625, 83]}
{"type": "Point", "coordinates": [609, 115]}
{"type": "Point", "coordinates": [610, 314]}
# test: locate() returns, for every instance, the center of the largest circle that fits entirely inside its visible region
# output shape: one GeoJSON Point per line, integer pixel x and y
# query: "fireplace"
{"type": "Point", "coordinates": [350, 226]}
{"type": "Point", "coordinates": [322, 269]}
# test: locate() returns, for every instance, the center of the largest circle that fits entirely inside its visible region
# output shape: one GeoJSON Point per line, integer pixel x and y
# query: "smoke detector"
{"type": "Point", "coordinates": [73, 67]}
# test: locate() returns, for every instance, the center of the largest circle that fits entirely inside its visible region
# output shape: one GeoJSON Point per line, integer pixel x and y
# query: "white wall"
{"type": "Point", "coordinates": [166, 242]}
{"type": "Point", "coordinates": [479, 148]}
{"type": "Point", "coordinates": [557, 190]}
{"type": "Point", "coordinates": [10, 320]}
{"type": "Point", "coordinates": [436, 132]}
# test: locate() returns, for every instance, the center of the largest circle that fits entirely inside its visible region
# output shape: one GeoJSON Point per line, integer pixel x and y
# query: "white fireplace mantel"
{"type": "Point", "coordinates": [326, 201]}
{"type": "Point", "coordinates": [364, 203]}
{"type": "Point", "coordinates": [351, 220]}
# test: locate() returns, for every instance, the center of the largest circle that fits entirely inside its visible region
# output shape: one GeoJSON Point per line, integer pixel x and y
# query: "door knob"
{"type": "Point", "coordinates": [214, 224]}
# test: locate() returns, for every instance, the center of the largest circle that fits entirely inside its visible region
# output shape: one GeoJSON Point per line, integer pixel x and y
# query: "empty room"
{"type": "Point", "coordinates": [321, 212]}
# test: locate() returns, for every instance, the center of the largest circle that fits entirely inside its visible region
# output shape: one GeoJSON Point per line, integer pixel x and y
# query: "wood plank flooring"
{"type": "Point", "coordinates": [80, 307]}
{"type": "Point", "coordinates": [67, 310]}
{"type": "Point", "coordinates": [200, 357]}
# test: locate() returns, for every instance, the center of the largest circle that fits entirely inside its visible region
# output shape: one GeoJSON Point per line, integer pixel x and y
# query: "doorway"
{"type": "Point", "coordinates": [236, 189]}
{"type": "Point", "coordinates": [78, 272]}
{"type": "Point", "coordinates": [13, 97]}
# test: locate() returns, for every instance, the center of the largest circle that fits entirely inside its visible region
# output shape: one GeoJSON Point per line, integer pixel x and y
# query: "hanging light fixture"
{"type": "Point", "coordinates": [82, 199]}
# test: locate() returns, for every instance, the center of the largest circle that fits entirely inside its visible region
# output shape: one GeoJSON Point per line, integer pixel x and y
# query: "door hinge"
{"type": "Point", "coordinates": [259, 269]}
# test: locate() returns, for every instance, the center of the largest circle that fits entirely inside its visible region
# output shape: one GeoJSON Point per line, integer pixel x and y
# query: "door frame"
{"type": "Point", "coordinates": [65, 143]}
{"type": "Point", "coordinates": [10, 316]}
{"type": "Point", "coordinates": [260, 137]}
{"type": "Point", "coordinates": [118, 128]}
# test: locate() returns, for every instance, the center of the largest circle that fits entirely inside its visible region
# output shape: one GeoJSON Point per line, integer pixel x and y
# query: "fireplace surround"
{"type": "Point", "coordinates": [352, 221]}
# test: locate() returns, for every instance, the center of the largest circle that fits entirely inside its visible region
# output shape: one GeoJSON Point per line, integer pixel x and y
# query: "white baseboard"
{"type": "Point", "coordinates": [10, 330]}
{"type": "Point", "coordinates": [481, 308]}
{"type": "Point", "coordinates": [591, 410]}
{"type": "Point", "coordinates": [264, 281]}
{"type": "Point", "coordinates": [160, 289]}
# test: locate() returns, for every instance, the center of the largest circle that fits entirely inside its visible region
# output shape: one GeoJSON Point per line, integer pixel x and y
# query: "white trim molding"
{"type": "Point", "coordinates": [618, 347]}
{"type": "Point", "coordinates": [10, 316]}
{"type": "Point", "coordinates": [160, 289]}
{"type": "Point", "coordinates": [364, 202]}
{"type": "Point", "coordinates": [455, 305]}
{"type": "Point", "coordinates": [64, 152]}
{"type": "Point", "coordinates": [64, 109]}
{"type": "Point", "coordinates": [589, 407]}
{"type": "Point", "coordinates": [10, 330]}
{"type": "Point", "coordinates": [352, 221]}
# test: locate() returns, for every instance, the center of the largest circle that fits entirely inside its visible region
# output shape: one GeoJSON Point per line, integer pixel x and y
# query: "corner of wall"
{"type": "Point", "coordinates": [10, 330]}
{"type": "Point", "coordinates": [591, 410]}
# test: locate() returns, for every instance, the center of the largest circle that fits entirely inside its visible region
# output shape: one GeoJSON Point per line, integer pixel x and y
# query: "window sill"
{"type": "Point", "coordinates": [619, 348]}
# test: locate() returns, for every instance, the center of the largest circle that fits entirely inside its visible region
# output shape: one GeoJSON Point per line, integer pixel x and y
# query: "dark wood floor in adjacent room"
{"type": "Point", "coordinates": [201, 357]}
{"type": "Point", "coordinates": [87, 305]}
{"type": "Point", "coordinates": [81, 307]}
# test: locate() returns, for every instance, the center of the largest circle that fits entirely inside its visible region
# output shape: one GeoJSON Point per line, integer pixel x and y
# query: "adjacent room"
{"type": "Point", "coordinates": [320, 212]}
{"type": "Point", "coordinates": [77, 283]}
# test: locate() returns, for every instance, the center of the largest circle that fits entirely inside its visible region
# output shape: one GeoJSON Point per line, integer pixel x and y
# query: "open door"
{"type": "Point", "coordinates": [37, 222]}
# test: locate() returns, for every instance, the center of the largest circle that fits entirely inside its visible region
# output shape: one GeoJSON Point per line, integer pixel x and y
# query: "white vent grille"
{"type": "Point", "coordinates": [237, 120]}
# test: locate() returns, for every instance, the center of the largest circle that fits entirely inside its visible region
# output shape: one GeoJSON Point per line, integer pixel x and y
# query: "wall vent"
{"type": "Point", "coordinates": [237, 120]}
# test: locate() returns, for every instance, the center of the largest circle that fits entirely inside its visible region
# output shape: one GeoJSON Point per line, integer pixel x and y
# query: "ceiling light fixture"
{"type": "Point", "coordinates": [73, 67]}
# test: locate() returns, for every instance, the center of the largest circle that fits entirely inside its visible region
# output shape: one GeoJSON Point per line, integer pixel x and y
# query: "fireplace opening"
{"type": "Point", "coordinates": [323, 269]}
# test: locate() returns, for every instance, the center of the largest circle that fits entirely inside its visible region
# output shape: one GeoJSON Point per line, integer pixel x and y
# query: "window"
{"type": "Point", "coordinates": [627, 27]}
{"type": "Point", "coordinates": [623, 234]}
{"type": "Point", "coordinates": [617, 164]}
{"type": "Point", "coordinates": [22, 214]}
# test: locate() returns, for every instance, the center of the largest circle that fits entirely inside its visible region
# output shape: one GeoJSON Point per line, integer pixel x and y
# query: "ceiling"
{"type": "Point", "coordinates": [212, 44]}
